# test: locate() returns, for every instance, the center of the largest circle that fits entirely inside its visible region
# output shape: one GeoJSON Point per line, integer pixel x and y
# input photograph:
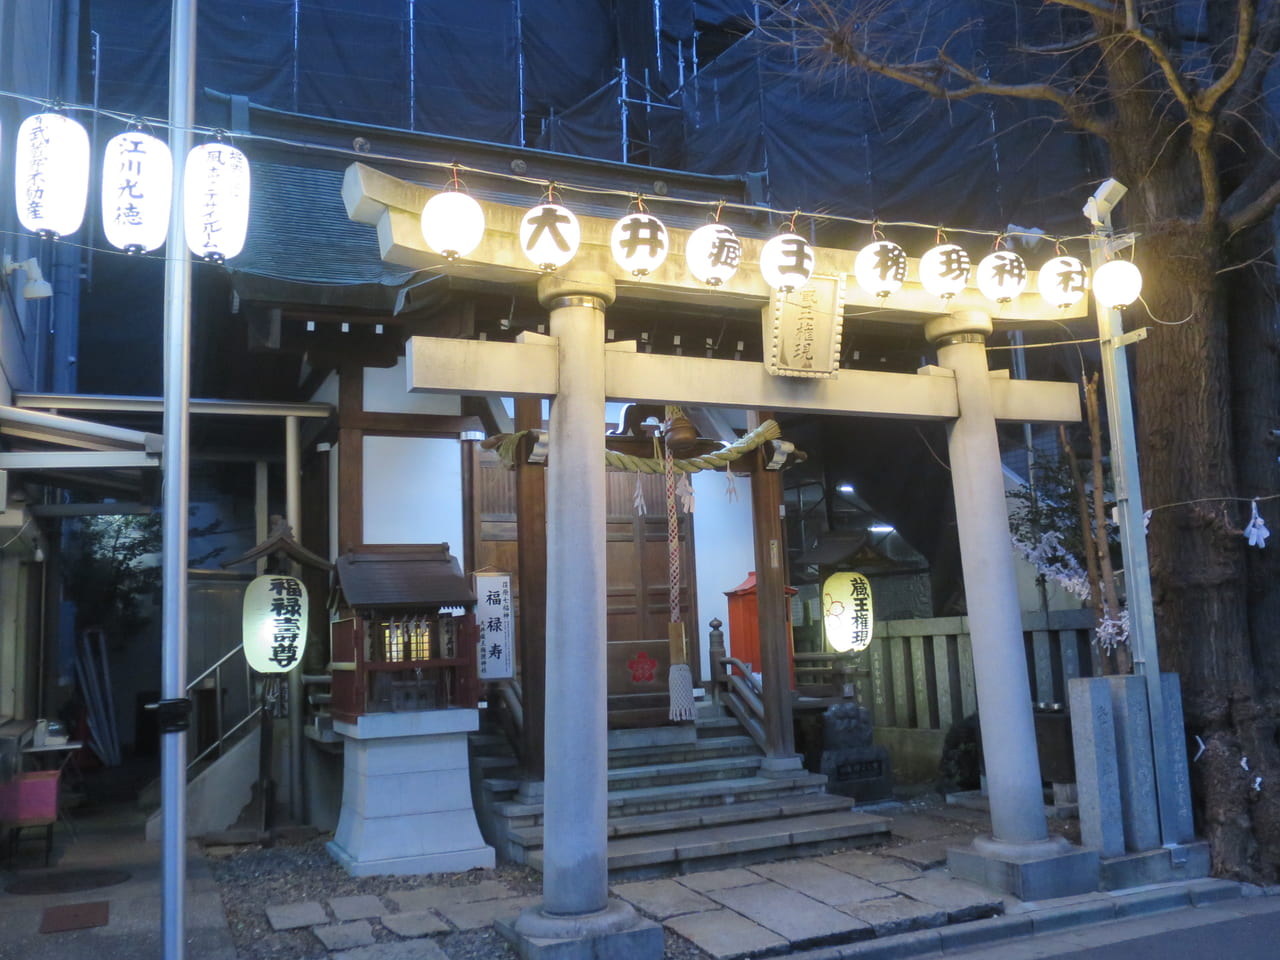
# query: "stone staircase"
{"type": "Point", "coordinates": [681, 798]}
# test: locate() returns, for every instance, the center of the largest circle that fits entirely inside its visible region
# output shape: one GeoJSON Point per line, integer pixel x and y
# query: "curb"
{"type": "Point", "coordinates": [1031, 919]}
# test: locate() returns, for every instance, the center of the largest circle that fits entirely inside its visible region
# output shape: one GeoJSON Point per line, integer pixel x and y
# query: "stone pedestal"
{"type": "Point", "coordinates": [615, 933]}
{"type": "Point", "coordinates": [406, 795]}
{"type": "Point", "coordinates": [1030, 871]}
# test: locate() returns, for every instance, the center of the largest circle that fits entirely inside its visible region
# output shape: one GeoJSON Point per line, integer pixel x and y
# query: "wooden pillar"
{"type": "Point", "coordinates": [350, 458]}
{"type": "Point", "coordinates": [771, 582]}
{"type": "Point", "coordinates": [531, 545]}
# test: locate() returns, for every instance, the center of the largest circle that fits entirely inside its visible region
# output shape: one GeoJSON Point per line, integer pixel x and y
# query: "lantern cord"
{"type": "Point", "coordinates": [1053, 343]}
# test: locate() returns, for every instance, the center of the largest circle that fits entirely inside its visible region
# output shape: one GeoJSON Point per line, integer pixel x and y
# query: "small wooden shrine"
{"type": "Point", "coordinates": [404, 633]}
{"type": "Point", "coordinates": [403, 651]}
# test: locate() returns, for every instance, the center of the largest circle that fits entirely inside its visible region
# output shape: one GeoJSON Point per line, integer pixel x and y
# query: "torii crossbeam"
{"type": "Point", "coordinates": [578, 370]}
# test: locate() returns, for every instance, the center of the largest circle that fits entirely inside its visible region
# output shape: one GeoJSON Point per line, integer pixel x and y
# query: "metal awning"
{"type": "Point", "coordinates": [66, 451]}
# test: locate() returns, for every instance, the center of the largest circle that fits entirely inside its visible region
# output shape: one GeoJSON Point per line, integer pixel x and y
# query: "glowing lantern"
{"type": "Point", "coordinates": [274, 623]}
{"type": "Point", "coordinates": [1001, 276]}
{"type": "Point", "coordinates": [713, 253]}
{"type": "Point", "coordinates": [847, 615]}
{"type": "Point", "coordinates": [51, 181]}
{"type": "Point", "coordinates": [549, 236]}
{"type": "Point", "coordinates": [452, 224]}
{"type": "Point", "coordinates": [1063, 281]}
{"type": "Point", "coordinates": [137, 182]}
{"type": "Point", "coordinates": [880, 268]}
{"type": "Point", "coordinates": [216, 193]}
{"type": "Point", "coordinates": [786, 262]}
{"type": "Point", "coordinates": [639, 243]}
{"type": "Point", "coordinates": [944, 270]}
{"type": "Point", "coordinates": [1117, 283]}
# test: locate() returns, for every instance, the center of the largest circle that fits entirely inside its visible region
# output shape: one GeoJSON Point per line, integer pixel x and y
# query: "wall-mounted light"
{"type": "Point", "coordinates": [36, 287]}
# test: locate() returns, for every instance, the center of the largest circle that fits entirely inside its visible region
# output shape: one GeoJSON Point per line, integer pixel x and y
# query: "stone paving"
{"type": "Point", "coordinates": [729, 913]}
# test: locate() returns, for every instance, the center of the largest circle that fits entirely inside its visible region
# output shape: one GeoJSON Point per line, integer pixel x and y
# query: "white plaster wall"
{"type": "Point", "coordinates": [413, 492]}
{"type": "Point", "coordinates": [386, 390]}
{"type": "Point", "coordinates": [725, 545]}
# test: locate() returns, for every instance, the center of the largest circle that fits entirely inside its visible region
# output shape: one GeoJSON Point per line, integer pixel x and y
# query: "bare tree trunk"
{"type": "Point", "coordinates": [1198, 564]}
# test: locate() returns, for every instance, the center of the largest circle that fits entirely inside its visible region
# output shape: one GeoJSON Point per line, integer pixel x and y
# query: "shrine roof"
{"type": "Point", "coordinates": [402, 577]}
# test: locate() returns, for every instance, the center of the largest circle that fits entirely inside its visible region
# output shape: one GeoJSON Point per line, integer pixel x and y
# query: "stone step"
{"type": "Point", "coordinates": [682, 796]}
{"type": "Point", "coordinates": [718, 725]}
{"type": "Point", "coordinates": [700, 749]}
{"type": "Point", "coordinates": [688, 771]}
{"type": "Point", "coordinates": [788, 806]}
{"type": "Point", "coordinates": [683, 851]}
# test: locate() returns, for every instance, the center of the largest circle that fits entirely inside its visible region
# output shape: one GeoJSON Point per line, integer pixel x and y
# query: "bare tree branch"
{"type": "Point", "coordinates": [1259, 208]}
{"type": "Point", "coordinates": [841, 41]}
{"type": "Point", "coordinates": [1208, 98]}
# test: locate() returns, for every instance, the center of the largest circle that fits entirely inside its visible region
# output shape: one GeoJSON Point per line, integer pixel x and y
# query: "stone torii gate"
{"type": "Point", "coordinates": [579, 371]}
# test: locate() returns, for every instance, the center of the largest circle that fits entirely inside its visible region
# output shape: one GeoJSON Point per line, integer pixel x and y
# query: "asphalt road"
{"type": "Point", "coordinates": [1247, 929]}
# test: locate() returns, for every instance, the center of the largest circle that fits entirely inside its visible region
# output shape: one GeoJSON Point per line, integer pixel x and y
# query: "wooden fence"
{"type": "Point", "coordinates": [918, 674]}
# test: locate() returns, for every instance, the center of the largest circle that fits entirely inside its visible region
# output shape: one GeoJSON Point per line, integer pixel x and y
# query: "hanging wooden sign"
{"type": "Point", "coordinates": [803, 329]}
{"type": "Point", "coordinates": [847, 615]}
{"type": "Point", "coordinates": [275, 623]}
{"type": "Point", "coordinates": [495, 626]}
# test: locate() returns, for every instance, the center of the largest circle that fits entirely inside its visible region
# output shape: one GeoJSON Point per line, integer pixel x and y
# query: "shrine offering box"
{"type": "Point", "coordinates": [30, 796]}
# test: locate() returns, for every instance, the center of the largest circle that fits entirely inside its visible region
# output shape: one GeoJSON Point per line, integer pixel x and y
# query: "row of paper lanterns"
{"type": "Point", "coordinates": [453, 225]}
{"type": "Point", "coordinates": [51, 188]}
{"type": "Point", "coordinates": [52, 182]}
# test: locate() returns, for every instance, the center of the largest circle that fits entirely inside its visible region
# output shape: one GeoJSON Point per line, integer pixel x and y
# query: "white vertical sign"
{"type": "Point", "coordinates": [495, 626]}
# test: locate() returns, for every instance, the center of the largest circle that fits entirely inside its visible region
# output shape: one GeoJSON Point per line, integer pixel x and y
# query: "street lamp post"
{"type": "Point", "coordinates": [1124, 472]}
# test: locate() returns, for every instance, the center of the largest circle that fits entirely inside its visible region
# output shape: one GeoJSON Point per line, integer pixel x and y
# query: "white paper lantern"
{"type": "Point", "coordinates": [452, 224]}
{"type": "Point", "coordinates": [944, 270]}
{"type": "Point", "coordinates": [216, 201]}
{"type": "Point", "coordinates": [639, 243]}
{"type": "Point", "coordinates": [51, 174]}
{"type": "Point", "coordinates": [549, 236]}
{"type": "Point", "coordinates": [880, 268]}
{"type": "Point", "coordinates": [786, 262]}
{"type": "Point", "coordinates": [274, 623]}
{"type": "Point", "coordinates": [848, 618]}
{"type": "Point", "coordinates": [1117, 283]}
{"type": "Point", "coordinates": [1063, 281]}
{"type": "Point", "coordinates": [137, 187]}
{"type": "Point", "coordinates": [1001, 276]}
{"type": "Point", "coordinates": [713, 253]}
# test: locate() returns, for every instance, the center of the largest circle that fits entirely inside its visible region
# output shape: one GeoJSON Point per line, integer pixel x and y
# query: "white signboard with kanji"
{"type": "Point", "coordinates": [274, 623]}
{"type": "Point", "coordinates": [495, 624]}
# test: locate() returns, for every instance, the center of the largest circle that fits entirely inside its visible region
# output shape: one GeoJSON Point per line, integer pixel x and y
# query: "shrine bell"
{"type": "Point", "coordinates": [744, 625]}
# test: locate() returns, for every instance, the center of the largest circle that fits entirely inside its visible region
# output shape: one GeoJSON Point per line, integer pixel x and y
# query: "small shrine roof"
{"type": "Point", "coordinates": [403, 577]}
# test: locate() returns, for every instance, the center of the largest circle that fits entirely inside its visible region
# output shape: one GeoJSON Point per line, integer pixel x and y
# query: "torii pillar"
{"type": "Point", "coordinates": [575, 872]}
{"type": "Point", "coordinates": [1020, 856]}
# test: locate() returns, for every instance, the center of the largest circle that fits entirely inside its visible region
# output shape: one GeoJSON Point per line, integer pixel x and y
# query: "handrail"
{"type": "Point", "coordinates": [747, 673]}
{"type": "Point", "coordinates": [225, 657]}
{"type": "Point", "coordinates": [513, 699]}
{"type": "Point", "coordinates": [217, 744]}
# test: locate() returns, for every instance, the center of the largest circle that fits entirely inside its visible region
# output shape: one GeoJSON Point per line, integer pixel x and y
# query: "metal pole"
{"type": "Point", "coordinates": [1133, 538]}
{"type": "Point", "coordinates": [177, 395]}
{"type": "Point", "coordinates": [293, 512]}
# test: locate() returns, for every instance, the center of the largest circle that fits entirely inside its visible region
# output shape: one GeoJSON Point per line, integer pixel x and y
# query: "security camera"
{"type": "Point", "coordinates": [1109, 194]}
{"type": "Point", "coordinates": [1098, 207]}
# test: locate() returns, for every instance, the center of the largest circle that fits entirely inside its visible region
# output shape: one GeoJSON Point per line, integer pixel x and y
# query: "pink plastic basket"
{"type": "Point", "coordinates": [30, 796]}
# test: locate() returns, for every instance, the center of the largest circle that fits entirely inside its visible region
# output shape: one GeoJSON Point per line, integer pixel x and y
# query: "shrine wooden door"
{"type": "Point", "coordinates": [637, 579]}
